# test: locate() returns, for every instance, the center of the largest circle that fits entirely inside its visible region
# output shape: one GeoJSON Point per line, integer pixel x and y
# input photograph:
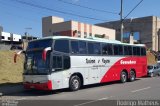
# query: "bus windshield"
{"type": "Point", "coordinates": [34, 63]}
{"type": "Point", "coordinates": [40, 44]}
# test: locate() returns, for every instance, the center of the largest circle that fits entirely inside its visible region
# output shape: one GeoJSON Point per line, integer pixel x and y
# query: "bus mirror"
{"type": "Point", "coordinates": [16, 54]}
{"type": "Point", "coordinates": [44, 53]}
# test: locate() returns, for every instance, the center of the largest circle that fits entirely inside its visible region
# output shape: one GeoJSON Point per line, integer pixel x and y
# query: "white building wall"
{"type": "Point", "coordinates": [16, 37]}
{"type": "Point", "coordinates": [5, 36]}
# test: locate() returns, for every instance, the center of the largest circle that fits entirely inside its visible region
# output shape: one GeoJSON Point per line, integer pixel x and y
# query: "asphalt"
{"type": "Point", "coordinates": [145, 89]}
{"type": "Point", "coordinates": [11, 89]}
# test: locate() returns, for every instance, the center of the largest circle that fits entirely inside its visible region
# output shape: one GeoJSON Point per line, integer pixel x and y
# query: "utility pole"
{"type": "Point", "coordinates": [121, 19]}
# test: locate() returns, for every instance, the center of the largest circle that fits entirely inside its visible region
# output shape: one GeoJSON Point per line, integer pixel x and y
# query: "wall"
{"type": "Point", "coordinates": [74, 29]}
{"type": "Point", "coordinates": [146, 26]}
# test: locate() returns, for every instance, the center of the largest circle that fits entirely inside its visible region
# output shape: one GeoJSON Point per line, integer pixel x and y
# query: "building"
{"type": "Point", "coordinates": [52, 26]}
{"type": "Point", "coordinates": [146, 29]}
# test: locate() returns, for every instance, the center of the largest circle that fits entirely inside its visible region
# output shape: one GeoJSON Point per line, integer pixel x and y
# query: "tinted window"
{"type": "Point", "coordinates": [130, 50]}
{"type": "Point", "coordinates": [94, 48]}
{"type": "Point", "coordinates": [40, 44]}
{"type": "Point", "coordinates": [136, 51]}
{"type": "Point", "coordinates": [61, 46]}
{"type": "Point", "coordinates": [57, 62]}
{"type": "Point", "coordinates": [66, 62]}
{"type": "Point", "coordinates": [143, 51]}
{"type": "Point", "coordinates": [126, 51]}
{"type": "Point", "coordinates": [110, 49]}
{"type": "Point", "coordinates": [118, 50]}
{"type": "Point", "coordinates": [107, 49]}
{"type": "Point", "coordinates": [74, 47]}
{"type": "Point", "coordinates": [61, 62]}
{"type": "Point", "coordinates": [82, 47]}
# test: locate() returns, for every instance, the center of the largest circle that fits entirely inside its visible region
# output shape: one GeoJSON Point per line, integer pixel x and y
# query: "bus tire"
{"type": "Point", "coordinates": [74, 83]}
{"type": "Point", "coordinates": [132, 76]}
{"type": "Point", "coordinates": [123, 77]}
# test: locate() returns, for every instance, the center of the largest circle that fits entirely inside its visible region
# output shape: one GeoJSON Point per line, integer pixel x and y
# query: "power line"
{"type": "Point", "coordinates": [88, 7]}
{"type": "Point", "coordinates": [58, 11]}
{"type": "Point", "coordinates": [132, 10]}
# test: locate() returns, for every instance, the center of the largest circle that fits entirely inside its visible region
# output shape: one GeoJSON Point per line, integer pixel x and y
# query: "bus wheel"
{"type": "Point", "coordinates": [123, 77]}
{"type": "Point", "coordinates": [74, 83]}
{"type": "Point", "coordinates": [132, 76]}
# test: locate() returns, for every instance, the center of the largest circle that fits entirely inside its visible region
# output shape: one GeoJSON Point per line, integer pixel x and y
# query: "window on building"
{"type": "Point", "coordinates": [82, 47]}
{"type": "Point", "coordinates": [79, 33]}
{"type": "Point", "coordinates": [74, 47]}
{"type": "Point", "coordinates": [9, 38]}
{"type": "Point", "coordinates": [85, 34]}
{"type": "Point", "coordinates": [61, 46]}
{"type": "Point", "coordinates": [90, 34]}
{"type": "Point", "coordinates": [2, 37]}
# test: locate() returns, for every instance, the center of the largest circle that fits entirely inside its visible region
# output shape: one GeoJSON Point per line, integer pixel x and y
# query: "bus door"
{"type": "Point", "coordinates": [60, 64]}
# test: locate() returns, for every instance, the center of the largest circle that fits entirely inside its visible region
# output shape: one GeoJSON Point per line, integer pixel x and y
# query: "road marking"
{"type": "Point", "coordinates": [91, 101]}
{"type": "Point", "coordinates": [140, 89]}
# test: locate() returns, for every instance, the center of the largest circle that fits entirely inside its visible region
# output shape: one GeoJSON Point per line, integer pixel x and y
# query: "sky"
{"type": "Point", "coordinates": [20, 16]}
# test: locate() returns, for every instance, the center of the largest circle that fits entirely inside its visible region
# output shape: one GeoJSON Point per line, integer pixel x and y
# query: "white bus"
{"type": "Point", "coordinates": [66, 62]}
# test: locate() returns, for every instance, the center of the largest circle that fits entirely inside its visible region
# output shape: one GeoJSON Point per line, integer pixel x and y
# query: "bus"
{"type": "Point", "coordinates": [67, 62]}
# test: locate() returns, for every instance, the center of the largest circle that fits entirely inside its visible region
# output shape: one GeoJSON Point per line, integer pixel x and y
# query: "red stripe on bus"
{"type": "Point", "coordinates": [127, 64]}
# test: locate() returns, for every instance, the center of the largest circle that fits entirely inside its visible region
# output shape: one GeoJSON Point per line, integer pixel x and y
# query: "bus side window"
{"type": "Point", "coordinates": [110, 49]}
{"type": "Point", "coordinates": [82, 47]}
{"type": "Point", "coordinates": [61, 46]}
{"type": "Point", "coordinates": [57, 62]}
{"type": "Point", "coordinates": [138, 51]}
{"type": "Point", "coordinates": [94, 48]}
{"type": "Point", "coordinates": [66, 62]}
{"type": "Point", "coordinates": [61, 62]}
{"type": "Point", "coordinates": [126, 52]}
{"type": "Point", "coordinates": [130, 50]}
{"type": "Point", "coordinates": [143, 51]}
{"type": "Point", "coordinates": [118, 50]}
{"type": "Point", "coordinates": [74, 47]}
{"type": "Point", "coordinates": [104, 49]}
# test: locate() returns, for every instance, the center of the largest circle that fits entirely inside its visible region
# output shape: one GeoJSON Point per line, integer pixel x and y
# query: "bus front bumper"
{"type": "Point", "coordinates": [38, 86]}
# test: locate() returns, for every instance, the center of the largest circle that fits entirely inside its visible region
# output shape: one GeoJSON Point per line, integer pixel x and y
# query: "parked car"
{"type": "Point", "coordinates": [153, 70]}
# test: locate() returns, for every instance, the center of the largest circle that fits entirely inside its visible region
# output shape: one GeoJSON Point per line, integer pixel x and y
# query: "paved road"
{"type": "Point", "coordinates": [141, 89]}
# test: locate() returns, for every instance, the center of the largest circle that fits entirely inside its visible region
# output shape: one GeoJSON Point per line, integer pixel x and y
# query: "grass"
{"type": "Point", "coordinates": [150, 58]}
{"type": "Point", "coordinates": [10, 72]}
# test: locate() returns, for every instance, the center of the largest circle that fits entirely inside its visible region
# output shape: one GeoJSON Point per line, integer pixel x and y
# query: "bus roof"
{"type": "Point", "coordinates": [88, 39]}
